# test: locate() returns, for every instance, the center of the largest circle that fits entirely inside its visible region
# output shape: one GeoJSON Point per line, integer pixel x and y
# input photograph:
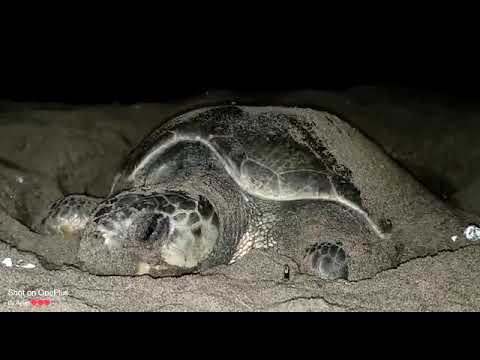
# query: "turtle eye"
{"type": "Point", "coordinates": [154, 227]}
{"type": "Point", "coordinates": [150, 229]}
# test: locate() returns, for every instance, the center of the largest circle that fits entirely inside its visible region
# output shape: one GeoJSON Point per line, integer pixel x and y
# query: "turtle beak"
{"type": "Point", "coordinates": [144, 268]}
{"type": "Point", "coordinates": [160, 270]}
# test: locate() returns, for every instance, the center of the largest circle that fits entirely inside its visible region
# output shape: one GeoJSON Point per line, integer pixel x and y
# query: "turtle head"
{"type": "Point", "coordinates": [150, 232]}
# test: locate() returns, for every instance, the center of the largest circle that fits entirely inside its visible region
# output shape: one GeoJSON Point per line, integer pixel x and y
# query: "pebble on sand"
{"type": "Point", "coordinates": [7, 262]}
{"type": "Point", "coordinates": [472, 233]}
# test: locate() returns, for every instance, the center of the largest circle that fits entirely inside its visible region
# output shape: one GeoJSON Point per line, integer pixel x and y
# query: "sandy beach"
{"type": "Point", "coordinates": [48, 150]}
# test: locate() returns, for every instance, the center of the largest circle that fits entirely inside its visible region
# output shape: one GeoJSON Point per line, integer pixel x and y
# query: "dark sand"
{"type": "Point", "coordinates": [40, 158]}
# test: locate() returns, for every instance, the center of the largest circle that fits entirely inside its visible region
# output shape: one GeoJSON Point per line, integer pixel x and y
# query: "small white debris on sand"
{"type": "Point", "coordinates": [20, 179]}
{"type": "Point", "coordinates": [24, 265]}
{"type": "Point", "coordinates": [454, 238]}
{"type": "Point", "coordinates": [7, 262]}
{"type": "Point", "coordinates": [472, 233]}
{"type": "Point", "coordinates": [27, 266]}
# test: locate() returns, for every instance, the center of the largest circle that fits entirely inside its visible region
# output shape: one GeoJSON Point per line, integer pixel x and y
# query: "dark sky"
{"type": "Point", "coordinates": [130, 74]}
{"type": "Point", "coordinates": [133, 84]}
{"type": "Point", "coordinates": [175, 54]}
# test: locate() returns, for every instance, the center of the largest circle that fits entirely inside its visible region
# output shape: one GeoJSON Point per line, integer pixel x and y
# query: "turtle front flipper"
{"type": "Point", "coordinates": [69, 216]}
{"type": "Point", "coordinates": [328, 260]}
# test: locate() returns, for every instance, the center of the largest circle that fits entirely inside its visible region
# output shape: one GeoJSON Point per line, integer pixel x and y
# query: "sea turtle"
{"type": "Point", "coordinates": [209, 185]}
